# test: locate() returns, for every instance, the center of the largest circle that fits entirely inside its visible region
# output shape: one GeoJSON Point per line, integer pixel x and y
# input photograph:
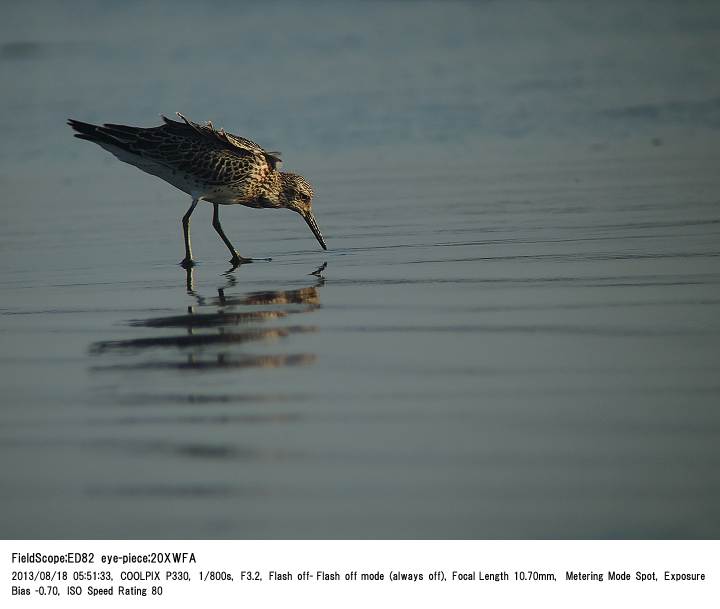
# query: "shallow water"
{"type": "Point", "coordinates": [515, 330]}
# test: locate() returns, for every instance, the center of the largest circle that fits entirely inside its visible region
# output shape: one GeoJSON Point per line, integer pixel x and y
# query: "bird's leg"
{"type": "Point", "coordinates": [187, 262]}
{"type": "Point", "coordinates": [236, 258]}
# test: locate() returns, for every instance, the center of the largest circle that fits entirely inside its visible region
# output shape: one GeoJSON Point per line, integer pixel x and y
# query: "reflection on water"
{"type": "Point", "coordinates": [221, 361]}
{"type": "Point", "coordinates": [215, 328]}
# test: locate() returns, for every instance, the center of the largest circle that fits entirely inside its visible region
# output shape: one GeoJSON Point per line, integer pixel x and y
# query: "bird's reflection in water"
{"type": "Point", "coordinates": [218, 328]}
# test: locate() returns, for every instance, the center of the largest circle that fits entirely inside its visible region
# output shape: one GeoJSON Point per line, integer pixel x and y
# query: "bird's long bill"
{"type": "Point", "coordinates": [310, 219]}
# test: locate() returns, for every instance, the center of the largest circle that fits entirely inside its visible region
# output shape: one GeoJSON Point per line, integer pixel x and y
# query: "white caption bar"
{"type": "Point", "coordinates": [356, 573]}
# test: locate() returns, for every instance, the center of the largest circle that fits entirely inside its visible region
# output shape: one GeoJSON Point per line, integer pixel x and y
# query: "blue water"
{"type": "Point", "coordinates": [514, 333]}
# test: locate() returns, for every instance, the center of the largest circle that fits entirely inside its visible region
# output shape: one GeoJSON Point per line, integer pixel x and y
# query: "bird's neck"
{"type": "Point", "coordinates": [271, 193]}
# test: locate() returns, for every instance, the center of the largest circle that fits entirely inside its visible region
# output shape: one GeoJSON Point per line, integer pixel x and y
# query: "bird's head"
{"type": "Point", "coordinates": [297, 195]}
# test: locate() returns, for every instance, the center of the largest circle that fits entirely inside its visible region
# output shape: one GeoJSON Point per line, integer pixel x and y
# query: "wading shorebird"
{"type": "Point", "coordinates": [210, 165]}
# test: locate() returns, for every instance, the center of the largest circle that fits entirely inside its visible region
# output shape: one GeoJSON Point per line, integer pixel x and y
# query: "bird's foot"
{"type": "Point", "coordinates": [187, 263]}
{"type": "Point", "coordinates": [237, 260]}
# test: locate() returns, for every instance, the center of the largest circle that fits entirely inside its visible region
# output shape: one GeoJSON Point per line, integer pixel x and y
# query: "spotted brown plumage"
{"type": "Point", "coordinates": [208, 164]}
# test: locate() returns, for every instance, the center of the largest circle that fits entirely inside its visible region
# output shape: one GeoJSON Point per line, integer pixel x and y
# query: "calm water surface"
{"type": "Point", "coordinates": [514, 333]}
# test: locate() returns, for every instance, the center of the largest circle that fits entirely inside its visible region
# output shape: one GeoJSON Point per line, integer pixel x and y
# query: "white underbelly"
{"type": "Point", "coordinates": [179, 179]}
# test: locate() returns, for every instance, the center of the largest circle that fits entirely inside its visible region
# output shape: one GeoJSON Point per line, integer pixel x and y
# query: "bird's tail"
{"type": "Point", "coordinates": [85, 131]}
{"type": "Point", "coordinates": [113, 135]}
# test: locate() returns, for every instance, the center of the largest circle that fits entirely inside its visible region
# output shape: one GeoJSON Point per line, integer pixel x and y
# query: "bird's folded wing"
{"type": "Point", "coordinates": [235, 142]}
